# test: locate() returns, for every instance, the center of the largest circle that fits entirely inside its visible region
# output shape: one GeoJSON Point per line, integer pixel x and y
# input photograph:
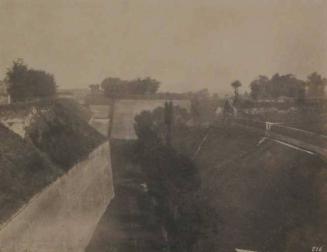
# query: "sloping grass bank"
{"type": "Point", "coordinates": [62, 132]}
{"type": "Point", "coordinates": [268, 197]}
{"type": "Point", "coordinates": [57, 138]}
{"type": "Point", "coordinates": [23, 172]}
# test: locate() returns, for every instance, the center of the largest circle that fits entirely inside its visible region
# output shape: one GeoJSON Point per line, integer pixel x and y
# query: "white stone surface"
{"type": "Point", "coordinates": [64, 215]}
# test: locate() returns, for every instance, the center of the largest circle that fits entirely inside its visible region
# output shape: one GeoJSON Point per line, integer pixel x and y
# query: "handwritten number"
{"type": "Point", "coordinates": [316, 249]}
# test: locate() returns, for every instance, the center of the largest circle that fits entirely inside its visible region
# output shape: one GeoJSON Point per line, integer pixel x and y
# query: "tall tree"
{"type": "Point", "coordinates": [111, 86]}
{"type": "Point", "coordinates": [236, 85]}
{"type": "Point", "coordinates": [258, 86]}
{"type": "Point", "coordinates": [24, 83]}
{"type": "Point", "coordinates": [316, 85]}
{"type": "Point", "coordinates": [151, 85]}
{"type": "Point", "coordinates": [15, 80]}
{"type": "Point", "coordinates": [168, 116]}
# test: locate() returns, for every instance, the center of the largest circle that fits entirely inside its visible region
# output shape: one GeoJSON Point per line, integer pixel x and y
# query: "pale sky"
{"type": "Point", "coordinates": [185, 44]}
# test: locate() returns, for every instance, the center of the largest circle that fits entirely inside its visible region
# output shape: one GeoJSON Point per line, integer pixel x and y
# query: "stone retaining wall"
{"type": "Point", "coordinates": [64, 215]}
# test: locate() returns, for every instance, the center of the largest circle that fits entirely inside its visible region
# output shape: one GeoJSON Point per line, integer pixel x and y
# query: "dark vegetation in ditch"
{"type": "Point", "coordinates": [235, 193]}
{"type": "Point", "coordinates": [174, 183]}
{"type": "Point", "coordinates": [130, 223]}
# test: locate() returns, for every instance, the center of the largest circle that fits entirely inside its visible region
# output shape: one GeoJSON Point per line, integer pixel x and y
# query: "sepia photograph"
{"type": "Point", "coordinates": [163, 126]}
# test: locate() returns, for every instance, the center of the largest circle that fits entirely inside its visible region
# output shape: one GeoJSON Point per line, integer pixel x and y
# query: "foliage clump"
{"type": "Point", "coordinates": [114, 87]}
{"type": "Point", "coordinates": [24, 83]}
{"type": "Point", "coordinates": [62, 132]}
{"type": "Point", "coordinates": [173, 180]}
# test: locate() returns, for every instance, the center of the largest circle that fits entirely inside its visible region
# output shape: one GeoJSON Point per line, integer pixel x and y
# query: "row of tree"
{"type": "Point", "coordinates": [118, 87]}
{"type": "Point", "coordinates": [289, 86]}
{"type": "Point", "coordinates": [284, 86]}
{"type": "Point", "coordinates": [24, 83]}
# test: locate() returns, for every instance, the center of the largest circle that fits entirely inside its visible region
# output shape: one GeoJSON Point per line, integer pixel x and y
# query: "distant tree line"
{"type": "Point", "coordinates": [24, 83]}
{"type": "Point", "coordinates": [288, 86]}
{"type": "Point", "coordinates": [118, 87]}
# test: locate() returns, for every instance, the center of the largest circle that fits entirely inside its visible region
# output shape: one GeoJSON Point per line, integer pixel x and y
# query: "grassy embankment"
{"type": "Point", "coordinates": [58, 137]}
{"type": "Point", "coordinates": [268, 197]}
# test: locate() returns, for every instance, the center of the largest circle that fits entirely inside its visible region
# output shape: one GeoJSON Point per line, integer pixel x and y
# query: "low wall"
{"type": "Point", "coordinates": [64, 215]}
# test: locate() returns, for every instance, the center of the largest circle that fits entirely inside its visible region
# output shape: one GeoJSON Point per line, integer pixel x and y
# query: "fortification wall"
{"type": "Point", "coordinates": [100, 118]}
{"type": "Point", "coordinates": [64, 215]}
